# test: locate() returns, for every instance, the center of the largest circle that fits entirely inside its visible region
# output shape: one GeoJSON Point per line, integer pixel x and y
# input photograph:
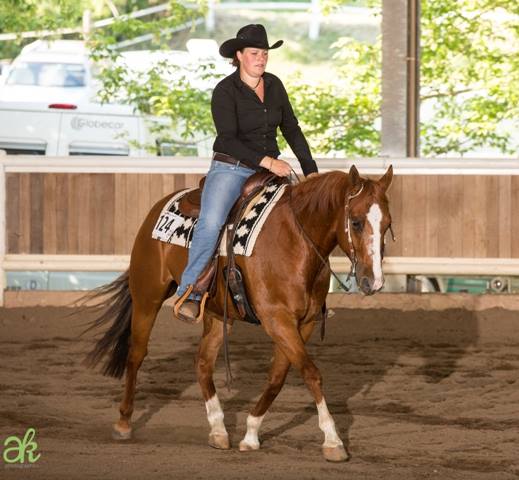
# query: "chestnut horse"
{"type": "Point", "coordinates": [287, 284]}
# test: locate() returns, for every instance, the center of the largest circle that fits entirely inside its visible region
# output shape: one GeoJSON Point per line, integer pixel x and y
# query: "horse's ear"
{"type": "Point", "coordinates": [354, 176]}
{"type": "Point", "coordinates": [386, 180]}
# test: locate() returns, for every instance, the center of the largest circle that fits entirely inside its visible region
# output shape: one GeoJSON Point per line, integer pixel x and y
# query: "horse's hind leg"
{"type": "Point", "coordinates": [143, 318]}
{"type": "Point", "coordinates": [277, 375]}
{"type": "Point", "coordinates": [208, 351]}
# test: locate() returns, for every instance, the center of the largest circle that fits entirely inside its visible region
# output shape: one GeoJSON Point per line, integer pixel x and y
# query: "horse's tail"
{"type": "Point", "coordinates": [115, 308]}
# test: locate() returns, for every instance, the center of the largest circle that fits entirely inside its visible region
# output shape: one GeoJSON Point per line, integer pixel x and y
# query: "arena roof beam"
{"type": "Point", "coordinates": [400, 77]}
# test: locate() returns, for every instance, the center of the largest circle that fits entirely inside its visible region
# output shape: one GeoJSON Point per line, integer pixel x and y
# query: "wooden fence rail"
{"type": "Point", "coordinates": [448, 215]}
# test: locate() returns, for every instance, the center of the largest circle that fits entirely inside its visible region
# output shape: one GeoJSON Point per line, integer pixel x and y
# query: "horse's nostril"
{"type": "Point", "coordinates": [365, 284]}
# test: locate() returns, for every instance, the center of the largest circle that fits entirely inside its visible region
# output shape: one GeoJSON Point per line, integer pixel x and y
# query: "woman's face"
{"type": "Point", "coordinates": [253, 60]}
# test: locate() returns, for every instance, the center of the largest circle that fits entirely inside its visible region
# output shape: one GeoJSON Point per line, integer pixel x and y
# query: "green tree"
{"type": "Point", "coordinates": [342, 117]}
{"type": "Point", "coordinates": [36, 15]}
{"type": "Point", "coordinates": [469, 78]}
{"type": "Point", "coordinates": [470, 73]}
{"type": "Point", "coordinates": [165, 89]}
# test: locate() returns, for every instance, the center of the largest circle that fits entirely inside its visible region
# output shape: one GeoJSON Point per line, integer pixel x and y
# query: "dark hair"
{"type": "Point", "coordinates": [235, 62]}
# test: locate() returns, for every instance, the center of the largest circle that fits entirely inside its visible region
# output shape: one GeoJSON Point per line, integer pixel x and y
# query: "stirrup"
{"type": "Point", "coordinates": [202, 307]}
{"type": "Point", "coordinates": [183, 298]}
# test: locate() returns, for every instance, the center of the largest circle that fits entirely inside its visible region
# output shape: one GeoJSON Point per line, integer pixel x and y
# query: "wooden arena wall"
{"type": "Point", "coordinates": [99, 213]}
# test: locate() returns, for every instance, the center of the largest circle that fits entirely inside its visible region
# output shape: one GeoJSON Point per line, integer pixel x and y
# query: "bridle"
{"type": "Point", "coordinates": [352, 254]}
{"type": "Point", "coordinates": [347, 224]}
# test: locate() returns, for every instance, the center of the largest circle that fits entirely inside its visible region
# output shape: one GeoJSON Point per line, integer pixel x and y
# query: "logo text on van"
{"type": "Point", "coordinates": [78, 123]}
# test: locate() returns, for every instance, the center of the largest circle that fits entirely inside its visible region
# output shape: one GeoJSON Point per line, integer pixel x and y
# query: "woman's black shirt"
{"type": "Point", "coordinates": [246, 128]}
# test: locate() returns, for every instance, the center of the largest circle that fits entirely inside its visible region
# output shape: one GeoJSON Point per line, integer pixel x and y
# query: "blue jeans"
{"type": "Point", "coordinates": [221, 189]}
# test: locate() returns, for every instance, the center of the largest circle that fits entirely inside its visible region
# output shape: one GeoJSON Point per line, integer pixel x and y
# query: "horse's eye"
{"type": "Point", "coordinates": [357, 225]}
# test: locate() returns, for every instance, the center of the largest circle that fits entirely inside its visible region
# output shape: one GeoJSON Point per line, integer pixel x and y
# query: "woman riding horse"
{"type": "Point", "coordinates": [287, 280]}
{"type": "Point", "coordinates": [247, 106]}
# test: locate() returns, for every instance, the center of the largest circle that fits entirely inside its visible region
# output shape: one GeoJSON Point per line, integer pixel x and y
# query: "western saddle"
{"type": "Point", "coordinates": [205, 285]}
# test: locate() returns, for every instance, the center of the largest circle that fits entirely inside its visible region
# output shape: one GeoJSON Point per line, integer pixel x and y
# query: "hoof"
{"type": "Point", "coordinates": [247, 447]}
{"type": "Point", "coordinates": [119, 433]}
{"type": "Point", "coordinates": [219, 441]}
{"type": "Point", "coordinates": [335, 454]}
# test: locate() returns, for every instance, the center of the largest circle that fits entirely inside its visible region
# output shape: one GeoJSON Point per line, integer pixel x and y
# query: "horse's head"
{"type": "Point", "coordinates": [363, 228]}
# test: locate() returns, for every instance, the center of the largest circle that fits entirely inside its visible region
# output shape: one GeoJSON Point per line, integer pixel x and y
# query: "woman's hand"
{"type": "Point", "coordinates": [279, 167]}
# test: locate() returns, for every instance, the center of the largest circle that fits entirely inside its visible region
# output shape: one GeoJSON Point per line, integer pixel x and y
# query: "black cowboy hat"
{"type": "Point", "coordinates": [253, 35]}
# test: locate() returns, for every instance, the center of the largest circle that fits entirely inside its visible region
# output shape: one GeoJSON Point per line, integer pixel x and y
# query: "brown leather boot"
{"type": "Point", "coordinates": [187, 312]}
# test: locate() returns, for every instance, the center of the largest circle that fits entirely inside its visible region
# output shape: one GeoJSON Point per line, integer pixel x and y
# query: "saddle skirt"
{"type": "Point", "coordinates": [174, 227]}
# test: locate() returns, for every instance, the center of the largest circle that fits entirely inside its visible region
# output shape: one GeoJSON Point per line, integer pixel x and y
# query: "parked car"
{"type": "Point", "coordinates": [58, 71]}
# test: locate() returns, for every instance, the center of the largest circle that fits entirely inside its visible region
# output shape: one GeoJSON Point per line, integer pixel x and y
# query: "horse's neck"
{"type": "Point", "coordinates": [321, 232]}
{"type": "Point", "coordinates": [320, 224]}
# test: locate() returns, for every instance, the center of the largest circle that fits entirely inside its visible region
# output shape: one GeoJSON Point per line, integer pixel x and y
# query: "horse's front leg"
{"type": "Point", "coordinates": [208, 351]}
{"type": "Point", "coordinates": [277, 375]}
{"type": "Point", "coordinates": [285, 334]}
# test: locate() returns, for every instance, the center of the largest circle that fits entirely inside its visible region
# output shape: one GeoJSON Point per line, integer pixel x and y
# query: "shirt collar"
{"type": "Point", "coordinates": [239, 82]}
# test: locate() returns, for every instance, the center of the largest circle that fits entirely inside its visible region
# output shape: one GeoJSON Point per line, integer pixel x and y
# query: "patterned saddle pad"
{"type": "Point", "coordinates": [174, 227]}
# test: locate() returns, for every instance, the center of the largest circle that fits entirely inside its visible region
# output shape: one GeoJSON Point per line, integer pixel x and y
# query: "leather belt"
{"type": "Point", "coordinates": [223, 157]}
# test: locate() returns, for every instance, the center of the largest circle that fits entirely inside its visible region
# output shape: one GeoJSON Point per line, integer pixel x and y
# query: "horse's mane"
{"type": "Point", "coordinates": [321, 194]}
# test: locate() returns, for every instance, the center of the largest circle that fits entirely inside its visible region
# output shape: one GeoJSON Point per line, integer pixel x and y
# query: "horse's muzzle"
{"type": "Point", "coordinates": [367, 286]}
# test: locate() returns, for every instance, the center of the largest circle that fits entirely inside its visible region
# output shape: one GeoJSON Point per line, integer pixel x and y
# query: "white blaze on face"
{"type": "Point", "coordinates": [374, 219]}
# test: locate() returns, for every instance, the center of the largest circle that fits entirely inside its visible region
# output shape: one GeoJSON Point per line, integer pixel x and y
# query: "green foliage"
{"type": "Point", "coordinates": [164, 89]}
{"type": "Point", "coordinates": [36, 15]}
{"type": "Point", "coordinates": [25, 15]}
{"type": "Point", "coordinates": [470, 73]}
{"type": "Point", "coordinates": [469, 78]}
{"type": "Point", "coordinates": [340, 116]}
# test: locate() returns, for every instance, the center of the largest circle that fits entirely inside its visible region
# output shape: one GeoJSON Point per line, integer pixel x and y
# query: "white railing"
{"type": "Point", "coordinates": [312, 7]}
{"type": "Point", "coordinates": [88, 25]}
{"type": "Point", "coordinates": [367, 166]}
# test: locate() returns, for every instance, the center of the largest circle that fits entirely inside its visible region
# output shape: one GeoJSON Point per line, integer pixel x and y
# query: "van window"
{"type": "Point", "coordinates": [87, 148]}
{"type": "Point", "coordinates": [34, 147]}
{"type": "Point", "coordinates": [47, 74]}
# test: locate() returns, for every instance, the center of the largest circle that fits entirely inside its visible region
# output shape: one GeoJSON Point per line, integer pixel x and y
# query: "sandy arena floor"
{"type": "Point", "coordinates": [415, 394]}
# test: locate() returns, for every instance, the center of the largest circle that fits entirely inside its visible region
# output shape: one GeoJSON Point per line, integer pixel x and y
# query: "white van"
{"type": "Point", "coordinates": [48, 106]}
{"type": "Point", "coordinates": [62, 129]}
